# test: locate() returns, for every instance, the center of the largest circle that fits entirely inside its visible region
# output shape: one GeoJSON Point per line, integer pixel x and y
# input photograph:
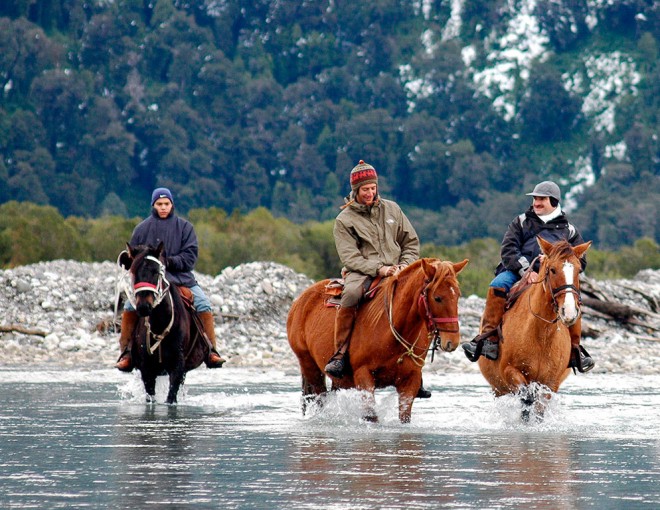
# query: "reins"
{"type": "Point", "coordinates": [431, 325]}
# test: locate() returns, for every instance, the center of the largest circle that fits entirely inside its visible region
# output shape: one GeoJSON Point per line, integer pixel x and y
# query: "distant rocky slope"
{"type": "Point", "coordinates": [52, 310]}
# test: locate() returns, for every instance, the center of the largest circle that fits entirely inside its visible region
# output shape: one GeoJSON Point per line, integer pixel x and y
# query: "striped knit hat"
{"type": "Point", "coordinates": [363, 173]}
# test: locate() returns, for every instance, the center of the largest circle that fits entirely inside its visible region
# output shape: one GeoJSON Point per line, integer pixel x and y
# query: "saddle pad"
{"type": "Point", "coordinates": [187, 296]}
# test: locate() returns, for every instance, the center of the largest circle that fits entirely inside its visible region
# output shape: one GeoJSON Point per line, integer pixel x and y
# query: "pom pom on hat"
{"type": "Point", "coordinates": [161, 193]}
{"type": "Point", "coordinates": [363, 173]}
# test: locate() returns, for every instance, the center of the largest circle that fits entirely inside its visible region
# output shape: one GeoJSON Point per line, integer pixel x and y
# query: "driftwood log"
{"type": "Point", "coordinates": [599, 303]}
{"type": "Point", "coordinates": [21, 329]}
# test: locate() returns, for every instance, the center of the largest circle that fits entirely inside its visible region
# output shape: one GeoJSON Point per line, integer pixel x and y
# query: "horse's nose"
{"type": "Point", "coordinates": [143, 309]}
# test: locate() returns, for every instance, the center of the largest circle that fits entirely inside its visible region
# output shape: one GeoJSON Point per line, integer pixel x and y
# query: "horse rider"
{"type": "Point", "coordinates": [519, 251]}
{"type": "Point", "coordinates": [373, 238]}
{"type": "Point", "coordinates": [180, 250]}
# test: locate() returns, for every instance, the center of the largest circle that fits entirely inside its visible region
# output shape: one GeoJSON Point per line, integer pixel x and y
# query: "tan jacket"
{"type": "Point", "coordinates": [370, 237]}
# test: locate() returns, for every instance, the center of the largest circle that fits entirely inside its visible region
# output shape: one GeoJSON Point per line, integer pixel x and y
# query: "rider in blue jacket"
{"type": "Point", "coordinates": [519, 250]}
{"type": "Point", "coordinates": [180, 248]}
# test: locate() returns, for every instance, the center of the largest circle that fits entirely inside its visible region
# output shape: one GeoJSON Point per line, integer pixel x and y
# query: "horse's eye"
{"type": "Point", "coordinates": [553, 270]}
{"type": "Point", "coordinates": [437, 299]}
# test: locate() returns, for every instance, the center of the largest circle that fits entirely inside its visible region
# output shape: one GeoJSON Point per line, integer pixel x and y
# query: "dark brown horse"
{"type": "Point", "coordinates": [166, 341]}
{"type": "Point", "coordinates": [392, 335]}
{"type": "Point", "coordinates": [535, 345]}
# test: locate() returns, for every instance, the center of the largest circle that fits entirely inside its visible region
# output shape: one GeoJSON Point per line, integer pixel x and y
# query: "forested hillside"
{"type": "Point", "coordinates": [461, 105]}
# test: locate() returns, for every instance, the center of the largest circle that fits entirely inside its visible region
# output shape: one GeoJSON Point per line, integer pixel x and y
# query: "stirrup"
{"type": "Point", "coordinates": [336, 367]}
{"type": "Point", "coordinates": [580, 360]}
{"type": "Point", "coordinates": [481, 346]}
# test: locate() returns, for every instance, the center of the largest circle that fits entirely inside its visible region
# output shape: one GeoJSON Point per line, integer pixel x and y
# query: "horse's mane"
{"type": "Point", "coordinates": [562, 249]}
{"type": "Point", "coordinates": [375, 313]}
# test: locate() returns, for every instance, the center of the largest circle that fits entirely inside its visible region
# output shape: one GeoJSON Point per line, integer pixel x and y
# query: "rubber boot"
{"type": "Point", "coordinates": [580, 358]}
{"type": "Point", "coordinates": [214, 360]}
{"type": "Point", "coordinates": [423, 392]}
{"type": "Point", "coordinates": [129, 319]}
{"type": "Point", "coordinates": [485, 344]}
{"type": "Point", "coordinates": [344, 321]}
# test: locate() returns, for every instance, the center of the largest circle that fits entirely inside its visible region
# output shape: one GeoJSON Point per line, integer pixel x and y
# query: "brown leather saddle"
{"type": "Point", "coordinates": [335, 286]}
{"type": "Point", "coordinates": [188, 301]}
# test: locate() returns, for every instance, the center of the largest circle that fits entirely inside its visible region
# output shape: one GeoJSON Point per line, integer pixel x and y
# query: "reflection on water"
{"type": "Point", "coordinates": [238, 440]}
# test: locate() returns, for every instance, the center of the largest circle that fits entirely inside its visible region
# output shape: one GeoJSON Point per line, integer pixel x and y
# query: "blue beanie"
{"type": "Point", "coordinates": [161, 193]}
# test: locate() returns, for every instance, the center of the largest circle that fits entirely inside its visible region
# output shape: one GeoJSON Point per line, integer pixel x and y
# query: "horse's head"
{"type": "Point", "coordinates": [559, 274]}
{"type": "Point", "coordinates": [147, 274]}
{"type": "Point", "coordinates": [440, 301]}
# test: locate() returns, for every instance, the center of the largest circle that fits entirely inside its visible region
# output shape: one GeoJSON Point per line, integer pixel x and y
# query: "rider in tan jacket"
{"type": "Point", "coordinates": [373, 238]}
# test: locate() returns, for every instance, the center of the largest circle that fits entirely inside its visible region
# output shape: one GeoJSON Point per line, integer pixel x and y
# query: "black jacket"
{"type": "Point", "coordinates": [180, 245]}
{"type": "Point", "coordinates": [520, 247]}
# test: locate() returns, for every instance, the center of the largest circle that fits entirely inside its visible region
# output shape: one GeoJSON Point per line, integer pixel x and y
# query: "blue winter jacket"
{"type": "Point", "coordinates": [180, 245]}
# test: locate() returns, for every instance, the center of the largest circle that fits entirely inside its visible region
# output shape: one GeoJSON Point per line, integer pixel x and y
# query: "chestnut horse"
{"type": "Point", "coordinates": [167, 339]}
{"type": "Point", "coordinates": [535, 345]}
{"type": "Point", "coordinates": [393, 333]}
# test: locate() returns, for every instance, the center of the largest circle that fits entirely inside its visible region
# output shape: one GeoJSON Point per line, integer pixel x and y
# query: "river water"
{"type": "Point", "coordinates": [237, 439]}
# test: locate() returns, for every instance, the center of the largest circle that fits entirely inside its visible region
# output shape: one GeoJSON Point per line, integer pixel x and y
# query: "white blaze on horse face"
{"type": "Point", "coordinates": [569, 311]}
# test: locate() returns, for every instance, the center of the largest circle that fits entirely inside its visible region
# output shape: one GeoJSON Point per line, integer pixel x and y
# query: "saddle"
{"type": "Point", "coordinates": [187, 296]}
{"type": "Point", "coordinates": [335, 286]}
{"type": "Point", "coordinates": [188, 302]}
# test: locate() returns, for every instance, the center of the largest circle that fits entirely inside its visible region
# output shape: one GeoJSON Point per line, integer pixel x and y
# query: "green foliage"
{"type": "Point", "coordinates": [242, 105]}
{"type": "Point", "coordinates": [31, 233]}
{"type": "Point", "coordinates": [626, 263]}
{"type": "Point", "coordinates": [483, 254]}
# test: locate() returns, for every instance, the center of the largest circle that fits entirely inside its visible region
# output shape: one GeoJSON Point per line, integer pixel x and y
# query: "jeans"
{"type": "Point", "coordinates": [505, 280]}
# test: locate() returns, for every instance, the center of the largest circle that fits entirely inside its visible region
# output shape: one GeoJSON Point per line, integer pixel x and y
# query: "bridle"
{"type": "Point", "coordinates": [431, 326]}
{"type": "Point", "coordinates": [160, 290]}
{"type": "Point", "coordinates": [554, 293]}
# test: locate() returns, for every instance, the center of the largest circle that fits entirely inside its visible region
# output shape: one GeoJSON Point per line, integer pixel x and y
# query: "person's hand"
{"type": "Point", "coordinates": [398, 268]}
{"type": "Point", "coordinates": [386, 271]}
{"type": "Point", "coordinates": [532, 277]}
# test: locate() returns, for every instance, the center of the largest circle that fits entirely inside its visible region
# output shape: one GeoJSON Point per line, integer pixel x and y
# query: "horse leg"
{"type": "Point", "coordinates": [407, 392]}
{"type": "Point", "coordinates": [313, 383]}
{"type": "Point", "coordinates": [364, 381]}
{"type": "Point", "coordinates": [177, 376]}
{"type": "Point", "coordinates": [176, 380]}
{"type": "Point", "coordinates": [149, 381]}
{"type": "Point", "coordinates": [534, 398]}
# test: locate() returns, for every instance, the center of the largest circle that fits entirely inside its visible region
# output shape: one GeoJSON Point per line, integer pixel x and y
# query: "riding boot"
{"type": "Point", "coordinates": [129, 319]}
{"type": "Point", "coordinates": [423, 392]}
{"type": "Point", "coordinates": [344, 320]}
{"type": "Point", "coordinates": [214, 360]}
{"type": "Point", "coordinates": [580, 358]}
{"type": "Point", "coordinates": [485, 344]}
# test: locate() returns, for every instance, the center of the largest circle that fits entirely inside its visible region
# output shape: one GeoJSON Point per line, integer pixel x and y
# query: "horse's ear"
{"type": "Point", "coordinates": [581, 249]}
{"type": "Point", "coordinates": [126, 258]}
{"type": "Point", "coordinates": [159, 249]}
{"type": "Point", "coordinates": [545, 245]}
{"type": "Point", "coordinates": [458, 267]}
{"type": "Point", "coordinates": [428, 268]}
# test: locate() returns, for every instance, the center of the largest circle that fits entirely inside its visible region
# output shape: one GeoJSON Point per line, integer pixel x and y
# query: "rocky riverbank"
{"type": "Point", "coordinates": [52, 312]}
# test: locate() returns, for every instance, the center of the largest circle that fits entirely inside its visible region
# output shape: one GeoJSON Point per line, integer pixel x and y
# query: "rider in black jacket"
{"type": "Point", "coordinates": [519, 250]}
